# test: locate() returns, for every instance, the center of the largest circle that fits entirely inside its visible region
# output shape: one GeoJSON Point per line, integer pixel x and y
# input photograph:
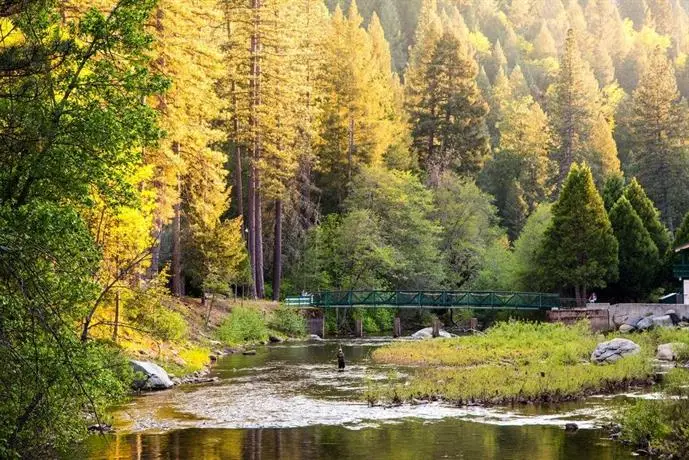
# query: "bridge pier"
{"type": "Point", "coordinates": [358, 328]}
{"type": "Point", "coordinates": [397, 327]}
{"type": "Point", "coordinates": [316, 323]}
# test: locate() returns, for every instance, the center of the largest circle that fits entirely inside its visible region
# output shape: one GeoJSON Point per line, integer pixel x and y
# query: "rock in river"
{"type": "Point", "coordinates": [154, 377]}
{"type": "Point", "coordinates": [609, 352]}
{"type": "Point", "coordinates": [427, 333]}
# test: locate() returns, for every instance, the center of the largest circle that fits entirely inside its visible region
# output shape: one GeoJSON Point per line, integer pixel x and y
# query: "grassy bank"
{"type": "Point", "coordinates": [511, 362]}
{"type": "Point", "coordinates": [180, 336]}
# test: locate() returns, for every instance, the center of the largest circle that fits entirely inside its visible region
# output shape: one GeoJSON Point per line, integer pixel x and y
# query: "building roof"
{"type": "Point", "coordinates": [682, 247]}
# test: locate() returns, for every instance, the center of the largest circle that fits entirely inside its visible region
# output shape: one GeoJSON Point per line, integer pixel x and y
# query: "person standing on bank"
{"type": "Point", "coordinates": [340, 360]}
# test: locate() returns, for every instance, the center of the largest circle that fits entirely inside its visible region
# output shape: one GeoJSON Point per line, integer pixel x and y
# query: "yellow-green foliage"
{"type": "Point", "coordinates": [513, 361]}
{"type": "Point", "coordinates": [196, 358]}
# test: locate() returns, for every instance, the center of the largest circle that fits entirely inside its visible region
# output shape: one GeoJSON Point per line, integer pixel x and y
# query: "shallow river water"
{"type": "Point", "coordinates": [289, 402]}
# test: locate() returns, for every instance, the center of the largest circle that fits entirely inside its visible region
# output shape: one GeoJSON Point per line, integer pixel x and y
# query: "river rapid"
{"type": "Point", "coordinates": [289, 402]}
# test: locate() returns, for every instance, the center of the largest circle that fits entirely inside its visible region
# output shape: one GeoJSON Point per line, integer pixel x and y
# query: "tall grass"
{"type": "Point", "coordinates": [513, 362]}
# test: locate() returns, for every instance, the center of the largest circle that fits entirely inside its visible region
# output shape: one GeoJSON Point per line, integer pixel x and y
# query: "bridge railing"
{"type": "Point", "coordinates": [437, 299]}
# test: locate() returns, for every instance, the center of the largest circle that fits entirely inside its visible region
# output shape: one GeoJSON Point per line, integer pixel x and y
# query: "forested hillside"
{"type": "Point", "coordinates": [260, 148]}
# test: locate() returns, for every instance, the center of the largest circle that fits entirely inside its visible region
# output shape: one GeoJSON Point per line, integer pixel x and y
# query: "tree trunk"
{"type": "Point", "coordinates": [260, 287]}
{"type": "Point", "coordinates": [116, 323]}
{"type": "Point", "coordinates": [210, 308]}
{"type": "Point", "coordinates": [255, 222]}
{"type": "Point", "coordinates": [252, 228]}
{"type": "Point", "coordinates": [238, 188]}
{"type": "Point", "coordinates": [156, 232]}
{"type": "Point", "coordinates": [177, 284]}
{"type": "Point", "coordinates": [277, 254]}
{"type": "Point", "coordinates": [350, 149]}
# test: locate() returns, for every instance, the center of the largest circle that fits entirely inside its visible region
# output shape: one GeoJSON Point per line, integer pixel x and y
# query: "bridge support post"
{"type": "Point", "coordinates": [359, 328]}
{"type": "Point", "coordinates": [397, 327]}
{"type": "Point", "coordinates": [473, 324]}
{"type": "Point", "coordinates": [436, 327]}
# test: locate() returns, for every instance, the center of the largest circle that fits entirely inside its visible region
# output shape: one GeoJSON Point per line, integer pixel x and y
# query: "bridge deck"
{"type": "Point", "coordinates": [433, 299]}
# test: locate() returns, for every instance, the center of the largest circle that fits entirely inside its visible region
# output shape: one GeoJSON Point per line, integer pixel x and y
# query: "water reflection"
{"type": "Point", "coordinates": [411, 439]}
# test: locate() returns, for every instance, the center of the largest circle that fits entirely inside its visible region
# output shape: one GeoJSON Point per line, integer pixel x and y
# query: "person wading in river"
{"type": "Point", "coordinates": [340, 360]}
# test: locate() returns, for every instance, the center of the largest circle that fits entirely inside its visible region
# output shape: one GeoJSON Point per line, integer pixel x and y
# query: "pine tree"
{"type": "Point", "coordinates": [267, 82]}
{"type": "Point", "coordinates": [580, 250]}
{"type": "Point", "coordinates": [682, 235]}
{"type": "Point", "coordinates": [575, 106]}
{"type": "Point", "coordinates": [191, 174]}
{"type": "Point", "coordinates": [360, 116]}
{"type": "Point", "coordinates": [544, 44]}
{"type": "Point", "coordinates": [602, 153]}
{"type": "Point", "coordinates": [638, 255]}
{"type": "Point", "coordinates": [649, 215]}
{"type": "Point", "coordinates": [448, 126]}
{"type": "Point", "coordinates": [613, 189]}
{"type": "Point", "coordinates": [659, 125]}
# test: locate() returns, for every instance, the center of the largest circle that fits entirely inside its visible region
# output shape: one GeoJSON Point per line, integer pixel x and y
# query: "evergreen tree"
{"type": "Point", "coordinates": [580, 250]}
{"type": "Point", "coordinates": [613, 189]}
{"type": "Point", "coordinates": [191, 181]}
{"type": "Point", "coordinates": [659, 125]}
{"type": "Point", "coordinates": [682, 235]}
{"type": "Point", "coordinates": [360, 116]}
{"type": "Point", "coordinates": [575, 107]}
{"type": "Point", "coordinates": [638, 255]}
{"type": "Point", "coordinates": [544, 45]}
{"type": "Point", "coordinates": [448, 121]}
{"type": "Point", "coordinates": [649, 215]}
{"type": "Point", "coordinates": [602, 150]}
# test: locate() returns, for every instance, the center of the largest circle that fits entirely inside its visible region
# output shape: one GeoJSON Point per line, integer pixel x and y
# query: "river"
{"type": "Point", "coordinates": [289, 402]}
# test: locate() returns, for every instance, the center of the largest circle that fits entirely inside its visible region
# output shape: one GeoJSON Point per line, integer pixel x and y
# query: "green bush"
{"type": "Point", "coordinates": [288, 321]}
{"type": "Point", "coordinates": [243, 325]}
{"type": "Point", "coordinates": [167, 324]}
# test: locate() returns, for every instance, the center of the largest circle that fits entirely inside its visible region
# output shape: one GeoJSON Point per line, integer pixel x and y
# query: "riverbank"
{"type": "Point", "coordinates": [192, 337]}
{"type": "Point", "coordinates": [513, 362]}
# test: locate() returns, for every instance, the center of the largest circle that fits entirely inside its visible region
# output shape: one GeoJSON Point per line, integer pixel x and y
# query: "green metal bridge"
{"type": "Point", "coordinates": [429, 299]}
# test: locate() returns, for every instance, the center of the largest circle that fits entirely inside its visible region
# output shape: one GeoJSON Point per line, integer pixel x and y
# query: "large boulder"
{"type": "Point", "coordinates": [633, 321]}
{"type": "Point", "coordinates": [645, 323]}
{"type": "Point", "coordinates": [150, 376]}
{"type": "Point", "coordinates": [427, 333]}
{"type": "Point", "coordinates": [669, 351]}
{"type": "Point", "coordinates": [609, 352]}
{"type": "Point", "coordinates": [662, 321]}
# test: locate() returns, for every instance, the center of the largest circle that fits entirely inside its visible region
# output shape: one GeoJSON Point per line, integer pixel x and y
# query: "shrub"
{"type": "Point", "coordinates": [288, 321]}
{"type": "Point", "coordinates": [195, 358]}
{"type": "Point", "coordinates": [243, 325]}
{"type": "Point", "coordinates": [167, 324]}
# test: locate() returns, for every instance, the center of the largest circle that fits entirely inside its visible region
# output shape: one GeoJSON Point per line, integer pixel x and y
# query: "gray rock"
{"type": "Point", "coordinates": [633, 321]}
{"type": "Point", "coordinates": [315, 338]}
{"type": "Point", "coordinates": [645, 324]}
{"type": "Point", "coordinates": [669, 351]}
{"type": "Point", "coordinates": [662, 321]}
{"type": "Point", "coordinates": [671, 312]}
{"type": "Point", "coordinates": [571, 427]}
{"type": "Point", "coordinates": [427, 333]}
{"type": "Point", "coordinates": [153, 377]}
{"type": "Point", "coordinates": [626, 328]}
{"type": "Point", "coordinates": [248, 353]}
{"type": "Point", "coordinates": [609, 352]}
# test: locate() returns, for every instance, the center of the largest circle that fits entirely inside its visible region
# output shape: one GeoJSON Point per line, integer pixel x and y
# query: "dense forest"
{"type": "Point", "coordinates": [260, 148]}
